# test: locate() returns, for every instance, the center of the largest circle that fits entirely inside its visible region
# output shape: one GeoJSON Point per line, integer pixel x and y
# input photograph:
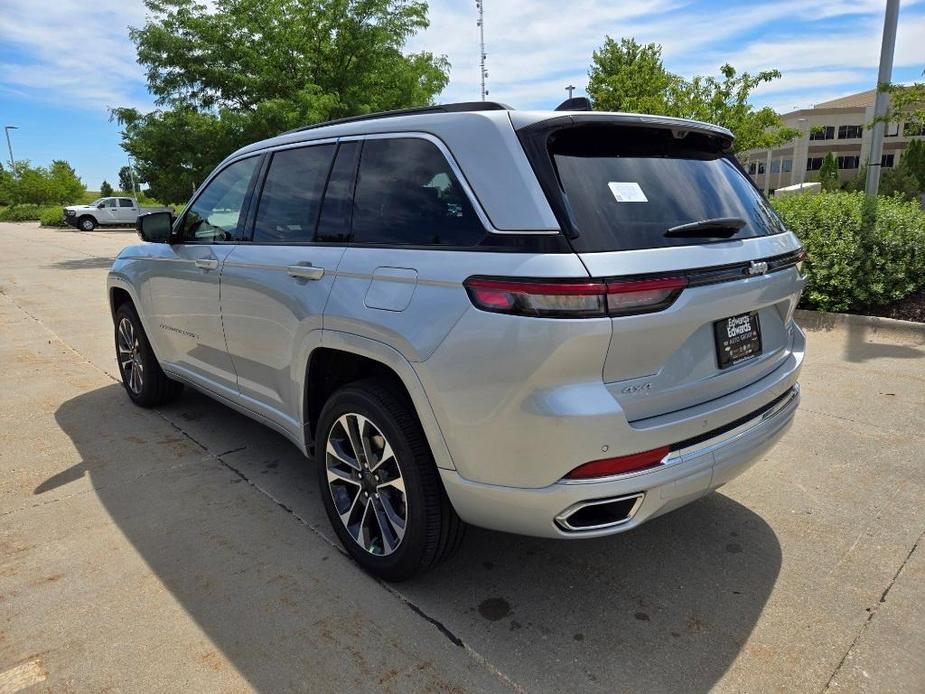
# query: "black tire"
{"type": "Point", "coordinates": [155, 388]}
{"type": "Point", "coordinates": [86, 223]}
{"type": "Point", "coordinates": [433, 532]}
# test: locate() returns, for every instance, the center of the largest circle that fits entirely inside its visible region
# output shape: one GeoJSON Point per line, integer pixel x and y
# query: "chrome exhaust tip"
{"type": "Point", "coordinates": [599, 514]}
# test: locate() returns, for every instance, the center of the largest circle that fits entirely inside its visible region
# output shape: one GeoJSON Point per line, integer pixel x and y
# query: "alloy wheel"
{"type": "Point", "coordinates": [366, 484]}
{"type": "Point", "coordinates": [130, 356]}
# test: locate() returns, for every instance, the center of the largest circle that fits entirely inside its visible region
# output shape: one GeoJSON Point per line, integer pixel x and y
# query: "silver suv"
{"type": "Point", "coordinates": [560, 324]}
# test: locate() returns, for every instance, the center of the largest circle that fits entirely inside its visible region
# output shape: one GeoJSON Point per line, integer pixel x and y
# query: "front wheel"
{"type": "Point", "coordinates": [87, 223]}
{"type": "Point", "coordinates": [381, 489]}
{"type": "Point", "coordinates": [144, 380]}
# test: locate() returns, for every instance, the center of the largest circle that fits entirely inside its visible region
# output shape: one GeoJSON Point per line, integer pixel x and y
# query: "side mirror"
{"type": "Point", "coordinates": [154, 227]}
{"type": "Point", "coordinates": [101, 206]}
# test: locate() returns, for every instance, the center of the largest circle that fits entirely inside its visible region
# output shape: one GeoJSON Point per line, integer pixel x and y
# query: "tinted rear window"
{"type": "Point", "coordinates": [627, 186]}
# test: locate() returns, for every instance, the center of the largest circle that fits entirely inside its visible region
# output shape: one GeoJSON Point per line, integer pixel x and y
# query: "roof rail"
{"type": "Point", "coordinates": [439, 108]}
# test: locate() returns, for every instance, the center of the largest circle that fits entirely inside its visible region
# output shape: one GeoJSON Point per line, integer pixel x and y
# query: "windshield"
{"type": "Point", "coordinates": [97, 202]}
{"type": "Point", "coordinates": [626, 187]}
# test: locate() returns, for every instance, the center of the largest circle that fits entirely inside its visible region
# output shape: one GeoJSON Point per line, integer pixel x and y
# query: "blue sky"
{"type": "Point", "coordinates": [61, 68]}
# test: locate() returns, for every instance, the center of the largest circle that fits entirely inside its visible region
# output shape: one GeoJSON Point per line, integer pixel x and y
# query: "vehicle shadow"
{"type": "Point", "coordinates": [95, 263]}
{"type": "Point", "coordinates": [666, 607]}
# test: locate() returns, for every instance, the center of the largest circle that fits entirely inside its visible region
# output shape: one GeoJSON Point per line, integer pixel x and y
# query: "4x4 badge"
{"type": "Point", "coordinates": [757, 267]}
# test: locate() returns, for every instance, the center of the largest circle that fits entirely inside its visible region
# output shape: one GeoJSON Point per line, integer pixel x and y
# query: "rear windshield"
{"type": "Point", "coordinates": [626, 187]}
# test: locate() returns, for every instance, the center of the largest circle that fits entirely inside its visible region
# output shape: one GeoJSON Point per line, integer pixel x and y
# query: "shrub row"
{"type": "Point", "coordinates": [48, 216]}
{"type": "Point", "coordinates": [860, 253]}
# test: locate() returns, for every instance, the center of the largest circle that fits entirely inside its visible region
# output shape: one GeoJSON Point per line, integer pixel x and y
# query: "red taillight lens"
{"type": "Point", "coordinates": [619, 465]}
{"type": "Point", "coordinates": [580, 299]}
{"type": "Point", "coordinates": [637, 296]}
{"type": "Point", "coordinates": [573, 299]}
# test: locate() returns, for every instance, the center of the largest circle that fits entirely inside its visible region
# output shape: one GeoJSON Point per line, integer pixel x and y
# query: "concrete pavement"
{"type": "Point", "coordinates": [188, 548]}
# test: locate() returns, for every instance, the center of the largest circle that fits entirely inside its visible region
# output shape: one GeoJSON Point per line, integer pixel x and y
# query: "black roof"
{"type": "Point", "coordinates": [439, 108]}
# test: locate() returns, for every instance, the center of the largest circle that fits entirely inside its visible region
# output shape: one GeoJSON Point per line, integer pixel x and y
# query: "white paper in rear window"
{"type": "Point", "coordinates": [627, 191]}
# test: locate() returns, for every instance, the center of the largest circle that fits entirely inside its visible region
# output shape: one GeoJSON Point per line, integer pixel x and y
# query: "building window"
{"type": "Point", "coordinates": [847, 132]}
{"type": "Point", "coordinates": [849, 162]}
{"type": "Point", "coordinates": [752, 167]}
{"type": "Point", "coordinates": [775, 166]}
{"type": "Point", "coordinates": [822, 132]}
{"type": "Point", "coordinates": [887, 160]}
{"type": "Point", "coordinates": [892, 129]}
{"type": "Point", "coordinates": [761, 167]}
{"type": "Point", "coordinates": [813, 163]}
{"type": "Point", "coordinates": [913, 129]}
{"type": "Point", "coordinates": [786, 165]}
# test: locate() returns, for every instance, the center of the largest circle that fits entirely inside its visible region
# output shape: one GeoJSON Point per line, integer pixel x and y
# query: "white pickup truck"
{"type": "Point", "coordinates": [115, 211]}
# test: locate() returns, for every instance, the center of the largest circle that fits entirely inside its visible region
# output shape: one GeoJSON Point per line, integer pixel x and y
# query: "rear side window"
{"type": "Point", "coordinates": [125, 202]}
{"type": "Point", "coordinates": [291, 197]}
{"type": "Point", "coordinates": [407, 194]}
{"type": "Point", "coordinates": [625, 187]}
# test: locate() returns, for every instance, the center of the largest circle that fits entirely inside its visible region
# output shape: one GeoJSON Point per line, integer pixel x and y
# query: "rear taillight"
{"type": "Point", "coordinates": [619, 465]}
{"type": "Point", "coordinates": [642, 296]}
{"type": "Point", "coordinates": [573, 298]}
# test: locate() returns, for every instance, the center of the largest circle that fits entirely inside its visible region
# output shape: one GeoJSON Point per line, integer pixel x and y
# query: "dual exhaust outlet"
{"type": "Point", "coordinates": [599, 514]}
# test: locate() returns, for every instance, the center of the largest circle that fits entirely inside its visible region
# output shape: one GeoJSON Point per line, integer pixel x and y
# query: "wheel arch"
{"type": "Point", "coordinates": [342, 358]}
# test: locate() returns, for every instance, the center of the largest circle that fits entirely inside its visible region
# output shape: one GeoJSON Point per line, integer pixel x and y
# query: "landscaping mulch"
{"type": "Point", "coordinates": [911, 308]}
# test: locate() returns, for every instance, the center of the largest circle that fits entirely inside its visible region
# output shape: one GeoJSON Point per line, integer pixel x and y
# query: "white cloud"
{"type": "Point", "coordinates": [76, 52]}
{"type": "Point", "coordinates": [73, 52]}
{"type": "Point", "coordinates": [535, 49]}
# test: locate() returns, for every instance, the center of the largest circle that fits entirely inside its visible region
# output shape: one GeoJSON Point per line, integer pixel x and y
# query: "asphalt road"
{"type": "Point", "coordinates": [187, 548]}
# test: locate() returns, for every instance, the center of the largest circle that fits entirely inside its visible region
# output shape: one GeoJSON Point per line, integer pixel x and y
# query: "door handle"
{"type": "Point", "coordinates": [207, 263]}
{"type": "Point", "coordinates": [305, 272]}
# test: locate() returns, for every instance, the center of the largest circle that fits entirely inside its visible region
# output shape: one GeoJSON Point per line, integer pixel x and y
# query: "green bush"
{"type": "Point", "coordinates": [21, 213]}
{"type": "Point", "coordinates": [52, 217]}
{"type": "Point", "coordinates": [860, 253]}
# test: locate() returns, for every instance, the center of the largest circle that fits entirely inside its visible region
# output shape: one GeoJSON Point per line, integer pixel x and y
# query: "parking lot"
{"type": "Point", "coordinates": [187, 548]}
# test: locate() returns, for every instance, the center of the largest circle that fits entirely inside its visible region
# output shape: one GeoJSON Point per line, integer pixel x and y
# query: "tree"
{"type": "Point", "coordinates": [907, 103]}
{"type": "Point", "coordinates": [259, 68]}
{"type": "Point", "coordinates": [105, 189]}
{"type": "Point", "coordinates": [630, 77]}
{"type": "Point", "coordinates": [899, 181]}
{"type": "Point", "coordinates": [38, 185]}
{"type": "Point", "coordinates": [913, 161]}
{"type": "Point", "coordinates": [828, 172]}
{"type": "Point", "coordinates": [125, 180]}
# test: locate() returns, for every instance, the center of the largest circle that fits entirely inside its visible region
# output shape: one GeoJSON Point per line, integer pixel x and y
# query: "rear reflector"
{"type": "Point", "coordinates": [619, 465]}
{"type": "Point", "coordinates": [573, 298]}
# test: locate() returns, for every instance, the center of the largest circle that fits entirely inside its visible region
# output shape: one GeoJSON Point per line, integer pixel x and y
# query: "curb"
{"type": "Point", "coordinates": [820, 320]}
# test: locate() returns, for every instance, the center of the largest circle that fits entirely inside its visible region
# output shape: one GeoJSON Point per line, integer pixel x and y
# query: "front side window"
{"type": "Point", "coordinates": [109, 202]}
{"type": "Point", "coordinates": [291, 197]}
{"type": "Point", "coordinates": [407, 194]}
{"type": "Point", "coordinates": [215, 214]}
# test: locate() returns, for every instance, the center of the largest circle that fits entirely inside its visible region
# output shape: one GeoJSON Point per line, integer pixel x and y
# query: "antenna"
{"type": "Point", "coordinates": [481, 24]}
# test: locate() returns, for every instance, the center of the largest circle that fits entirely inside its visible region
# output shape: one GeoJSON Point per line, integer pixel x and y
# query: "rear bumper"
{"type": "Point", "coordinates": [686, 475]}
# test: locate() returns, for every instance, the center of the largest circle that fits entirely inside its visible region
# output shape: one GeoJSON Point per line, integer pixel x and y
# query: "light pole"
{"type": "Point", "coordinates": [10, 146]}
{"type": "Point", "coordinates": [884, 75]}
{"type": "Point", "coordinates": [801, 172]}
{"type": "Point", "coordinates": [570, 89]}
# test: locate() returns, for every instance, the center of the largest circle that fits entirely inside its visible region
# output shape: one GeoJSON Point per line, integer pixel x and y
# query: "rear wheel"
{"type": "Point", "coordinates": [381, 489]}
{"type": "Point", "coordinates": [144, 380]}
{"type": "Point", "coordinates": [86, 223]}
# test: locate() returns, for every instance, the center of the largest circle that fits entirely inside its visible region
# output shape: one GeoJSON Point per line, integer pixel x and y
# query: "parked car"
{"type": "Point", "coordinates": [116, 211]}
{"type": "Point", "coordinates": [559, 324]}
